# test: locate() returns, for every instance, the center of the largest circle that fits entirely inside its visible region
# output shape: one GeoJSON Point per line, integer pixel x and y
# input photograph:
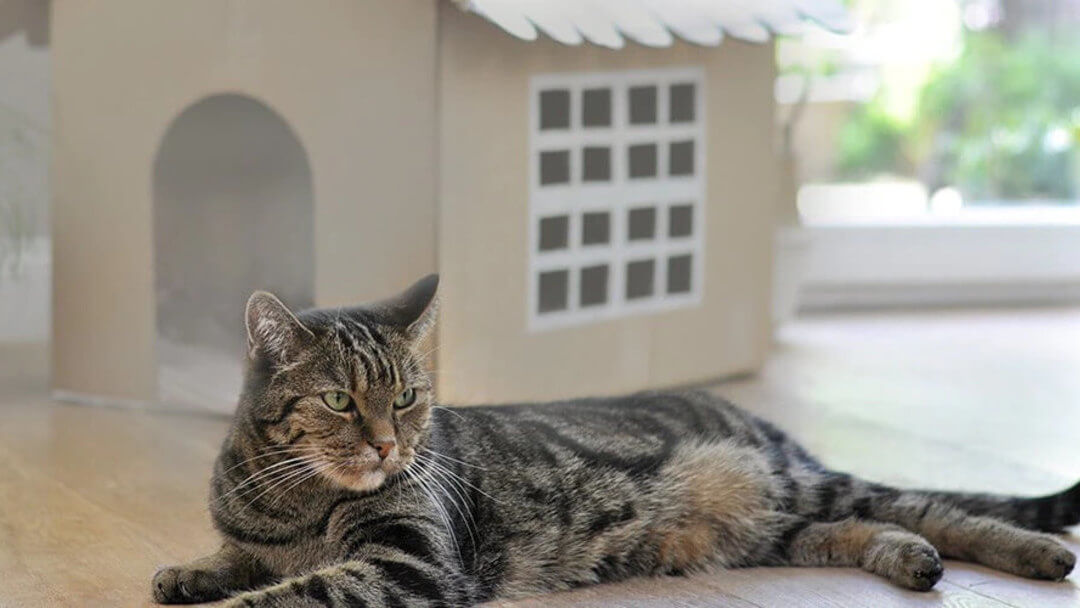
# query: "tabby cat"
{"type": "Point", "coordinates": [342, 483]}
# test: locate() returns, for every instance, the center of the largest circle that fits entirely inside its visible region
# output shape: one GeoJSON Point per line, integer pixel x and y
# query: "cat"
{"type": "Point", "coordinates": [342, 483]}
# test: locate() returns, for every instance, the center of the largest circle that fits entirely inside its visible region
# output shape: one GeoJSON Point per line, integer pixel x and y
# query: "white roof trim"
{"type": "Point", "coordinates": [654, 22]}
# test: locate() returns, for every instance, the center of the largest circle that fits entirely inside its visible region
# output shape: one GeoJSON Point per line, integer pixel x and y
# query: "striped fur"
{"type": "Point", "coordinates": [493, 502]}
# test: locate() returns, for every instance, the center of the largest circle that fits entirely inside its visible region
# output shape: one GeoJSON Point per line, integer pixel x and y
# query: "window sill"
{"type": "Point", "coordinates": [1018, 216]}
{"type": "Point", "coordinates": [1014, 256]}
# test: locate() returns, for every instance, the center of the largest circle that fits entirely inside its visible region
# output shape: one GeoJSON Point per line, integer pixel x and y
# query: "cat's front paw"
{"type": "Point", "coordinates": [183, 585]}
{"type": "Point", "coordinates": [917, 567]}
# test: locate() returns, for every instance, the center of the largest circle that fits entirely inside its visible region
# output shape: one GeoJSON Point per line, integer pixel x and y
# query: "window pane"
{"type": "Point", "coordinates": [555, 109]}
{"type": "Point", "coordinates": [639, 279]}
{"type": "Point", "coordinates": [597, 163]}
{"type": "Point", "coordinates": [682, 103]}
{"type": "Point", "coordinates": [553, 290]}
{"type": "Point", "coordinates": [607, 238]}
{"type": "Point", "coordinates": [594, 283]}
{"type": "Point", "coordinates": [555, 167]}
{"type": "Point", "coordinates": [680, 220]}
{"type": "Point", "coordinates": [642, 223]}
{"type": "Point", "coordinates": [595, 228]}
{"type": "Point", "coordinates": [642, 160]}
{"type": "Point", "coordinates": [554, 232]}
{"type": "Point", "coordinates": [681, 158]}
{"type": "Point", "coordinates": [642, 105]}
{"type": "Point", "coordinates": [678, 274]}
{"type": "Point", "coordinates": [596, 108]}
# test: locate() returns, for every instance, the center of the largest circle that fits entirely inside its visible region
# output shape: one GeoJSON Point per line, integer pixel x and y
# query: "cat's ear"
{"type": "Point", "coordinates": [272, 329]}
{"type": "Point", "coordinates": [414, 310]}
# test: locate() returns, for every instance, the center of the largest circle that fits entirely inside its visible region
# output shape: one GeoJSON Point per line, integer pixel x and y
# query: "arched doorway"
{"type": "Point", "coordinates": [233, 212]}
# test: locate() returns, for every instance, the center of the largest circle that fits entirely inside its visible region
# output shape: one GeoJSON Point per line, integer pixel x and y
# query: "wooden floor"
{"type": "Point", "coordinates": [92, 500]}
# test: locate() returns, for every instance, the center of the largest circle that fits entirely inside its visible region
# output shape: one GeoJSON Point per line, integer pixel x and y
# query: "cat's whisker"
{"type": "Point", "coordinates": [278, 465]}
{"type": "Point", "coordinates": [430, 487]}
{"type": "Point", "coordinates": [439, 372]}
{"type": "Point", "coordinates": [276, 452]}
{"type": "Point", "coordinates": [447, 409]}
{"type": "Point", "coordinates": [462, 507]}
{"type": "Point", "coordinates": [422, 485]}
{"type": "Point", "coordinates": [269, 472]}
{"type": "Point", "coordinates": [301, 474]}
{"type": "Point", "coordinates": [432, 452]}
{"type": "Point", "coordinates": [430, 352]}
{"type": "Point", "coordinates": [454, 483]}
{"type": "Point", "coordinates": [270, 483]}
{"type": "Point", "coordinates": [458, 478]}
{"type": "Point", "coordinates": [444, 515]}
{"type": "Point", "coordinates": [286, 478]}
{"type": "Point", "coordinates": [438, 466]}
{"type": "Point", "coordinates": [327, 467]}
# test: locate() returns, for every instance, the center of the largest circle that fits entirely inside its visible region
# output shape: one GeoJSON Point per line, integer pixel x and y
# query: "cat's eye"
{"type": "Point", "coordinates": [405, 399]}
{"type": "Point", "coordinates": [337, 400]}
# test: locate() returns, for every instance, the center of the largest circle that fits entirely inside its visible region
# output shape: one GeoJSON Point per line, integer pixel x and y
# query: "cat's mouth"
{"type": "Point", "coordinates": [362, 480]}
{"type": "Point", "coordinates": [363, 475]}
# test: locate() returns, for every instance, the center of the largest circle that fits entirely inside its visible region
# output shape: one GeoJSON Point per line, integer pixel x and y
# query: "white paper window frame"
{"type": "Point", "coordinates": [617, 196]}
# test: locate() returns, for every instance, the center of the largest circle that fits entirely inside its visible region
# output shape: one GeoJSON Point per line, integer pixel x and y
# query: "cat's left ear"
{"type": "Point", "coordinates": [273, 330]}
{"type": "Point", "coordinates": [414, 309]}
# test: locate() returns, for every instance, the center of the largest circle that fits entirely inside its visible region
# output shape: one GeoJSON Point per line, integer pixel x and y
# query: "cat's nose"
{"type": "Point", "coordinates": [383, 447]}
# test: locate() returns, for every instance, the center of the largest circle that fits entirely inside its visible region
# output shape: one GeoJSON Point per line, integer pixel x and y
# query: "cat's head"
{"type": "Point", "coordinates": [343, 388]}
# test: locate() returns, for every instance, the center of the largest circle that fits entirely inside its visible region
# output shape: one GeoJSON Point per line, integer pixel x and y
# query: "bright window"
{"type": "Point", "coordinates": [980, 114]}
{"type": "Point", "coordinates": [617, 186]}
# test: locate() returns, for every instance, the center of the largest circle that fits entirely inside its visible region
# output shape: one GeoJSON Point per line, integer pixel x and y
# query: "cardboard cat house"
{"type": "Point", "coordinates": [593, 180]}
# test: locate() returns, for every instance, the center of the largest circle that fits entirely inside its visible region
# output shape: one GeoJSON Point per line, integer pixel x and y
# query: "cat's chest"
{"type": "Point", "coordinates": [300, 557]}
{"type": "Point", "coordinates": [313, 548]}
{"type": "Point", "coordinates": [324, 539]}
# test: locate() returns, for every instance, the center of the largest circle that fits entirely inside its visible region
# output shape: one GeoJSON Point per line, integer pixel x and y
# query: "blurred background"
{"type": "Point", "coordinates": [25, 125]}
{"type": "Point", "coordinates": [932, 155]}
{"type": "Point", "coordinates": [858, 219]}
{"type": "Point", "coordinates": [935, 153]}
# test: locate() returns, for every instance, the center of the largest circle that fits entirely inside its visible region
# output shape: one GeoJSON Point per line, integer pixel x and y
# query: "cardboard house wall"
{"type": "Point", "coordinates": [406, 134]}
{"type": "Point", "coordinates": [488, 349]}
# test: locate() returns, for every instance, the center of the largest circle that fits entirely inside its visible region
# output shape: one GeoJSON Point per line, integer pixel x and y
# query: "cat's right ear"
{"type": "Point", "coordinates": [273, 331]}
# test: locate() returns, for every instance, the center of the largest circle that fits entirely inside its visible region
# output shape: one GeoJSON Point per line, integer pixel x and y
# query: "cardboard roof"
{"type": "Point", "coordinates": [656, 22]}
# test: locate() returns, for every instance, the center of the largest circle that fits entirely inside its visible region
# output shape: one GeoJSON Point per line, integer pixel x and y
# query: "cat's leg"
{"type": "Point", "coordinates": [888, 550]}
{"type": "Point", "coordinates": [718, 503]}
{"type": "Point", "coordinates": [984, 540]}
{"type": "Point", "coordinates": [208, 578]}
{"type": "Point", "coordinates": [385, 578]}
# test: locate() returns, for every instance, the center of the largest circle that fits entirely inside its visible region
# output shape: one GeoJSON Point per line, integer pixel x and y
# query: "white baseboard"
{"type": "Point", "coordinates": [874, 266]}
{"type": "Point", "coordinates": [823, 296]}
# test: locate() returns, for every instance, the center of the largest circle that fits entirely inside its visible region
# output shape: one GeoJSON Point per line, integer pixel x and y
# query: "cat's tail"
{"type": "Point", "coordinates": [1049, 513]}
{"type": "Point", "coordinates": [839, 495]}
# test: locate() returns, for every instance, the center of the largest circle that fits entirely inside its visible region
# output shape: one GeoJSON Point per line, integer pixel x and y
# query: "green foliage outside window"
{"type": "Point", "coordinates": [999, 123]}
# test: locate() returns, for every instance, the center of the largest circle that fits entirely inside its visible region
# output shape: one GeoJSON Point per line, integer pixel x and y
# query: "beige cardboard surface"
{"type": "Point", "coordinates": [355, 80]}
{"type": "Point", "coordinates": [487, 352]}
{"type": "Point", "coordinates": [397, 105]}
